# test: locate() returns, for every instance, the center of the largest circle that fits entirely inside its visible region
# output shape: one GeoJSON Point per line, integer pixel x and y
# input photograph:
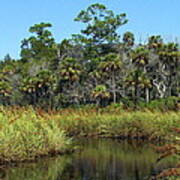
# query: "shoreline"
{"type": "Point", "coordinates": [28, 134]}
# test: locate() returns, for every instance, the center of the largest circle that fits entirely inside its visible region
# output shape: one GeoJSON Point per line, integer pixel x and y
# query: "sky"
{"type": "Point", "coordinates": [146, 17]}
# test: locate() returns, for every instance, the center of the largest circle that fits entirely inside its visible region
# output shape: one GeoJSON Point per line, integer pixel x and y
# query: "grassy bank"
{"type": "Point", "coordinates": [118, 124]}
{"type": "Point", "coordinates": [26, 134]}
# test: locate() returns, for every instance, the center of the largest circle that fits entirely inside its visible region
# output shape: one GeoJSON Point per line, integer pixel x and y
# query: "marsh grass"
{"type": "Point", "coordinates": [172, 150]}
{"type": "Point", "coordinates": [26, 134]}
{"type": "Point", "coordinates": [115, 122]}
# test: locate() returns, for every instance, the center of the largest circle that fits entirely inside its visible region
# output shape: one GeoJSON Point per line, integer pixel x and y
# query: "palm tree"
{"type": "Point", "coordinates": [38, 86]}
{"type": "Point", "coordinates": [110, 66]}
{"type": "Point", "coordinates": [5, 89]}
{"type": "Point", "coordinates": [28, 87]}
{"type": "Point", "coordinates": [169, 58]}
{"type": "Point", "coordinates": [146, 84]}
{"type": "Point", "coordinates": [140, 57]}
{"type": "Point", "coordinates": [128, 41]}
{"type": "Point", "coordinates": [100, 93]}
{"type": "Point", "coordinates": [138, 79]}
{"type": "Point", "coordinates": [71, 71]}
{"type": "Point", "coordinates": [155, 43]}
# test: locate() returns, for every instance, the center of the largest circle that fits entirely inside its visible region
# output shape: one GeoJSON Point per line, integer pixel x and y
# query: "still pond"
{"type": "Point", "coordinates": [96, 160]}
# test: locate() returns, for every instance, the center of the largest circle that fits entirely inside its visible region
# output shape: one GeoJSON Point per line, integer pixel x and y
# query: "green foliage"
{"type": "Point", "coordinates": [25, 135]}
{"type": "Point", "coordinates": [101, 23]}
{"type": "Point", "coordinates": [170, 150]}
{"type": "Point", "coordinates": [100, 92]}
{"type": "Point", "coordinates": [155, 43]}
{"type": "Point", "coordinates": [70, 69]}
{"type": "Point", "coordinates": [115, 122]}
{"type": "Point", "coordinates": [110, 63]}
{"type": "Point", "coordinates": [56, 75]}
{"type": "Point", "coordinates": [41, 45]}
{"type": "Point", "coordinates": [128, 38]}
{"type": "Point", "coordinates": [167, 104]}
{"type": "Point", "coordinates": [140, 56]}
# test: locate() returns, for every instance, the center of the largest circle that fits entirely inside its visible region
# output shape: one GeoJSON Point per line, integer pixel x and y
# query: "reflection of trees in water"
{"type": "Point", "coordinates": [107, 160]}
{"type": "Point", "coordinates": [99, 160]}
{"type": "Point", "coordinates": [67, 174]}
{"type": "Point", "coordinates": [44, 169]}
{"type": "Point", "coordinates": [2, 173]}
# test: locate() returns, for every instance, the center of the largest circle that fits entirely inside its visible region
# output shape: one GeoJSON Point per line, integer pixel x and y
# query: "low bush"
{"type": "Point", "coordinates": [166, 151]}
{"type": "Point", "coordinates": [166, 104]}
{"type": "Point", "coordinates": [26, 136]}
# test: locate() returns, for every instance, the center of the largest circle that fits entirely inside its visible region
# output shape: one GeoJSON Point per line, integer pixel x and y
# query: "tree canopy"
{"type": "Point", "coordinates": [96, 66]}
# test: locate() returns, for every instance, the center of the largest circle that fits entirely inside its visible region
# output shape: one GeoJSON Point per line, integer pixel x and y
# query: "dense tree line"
{"type": "Point", "coordinates": [95, 66]}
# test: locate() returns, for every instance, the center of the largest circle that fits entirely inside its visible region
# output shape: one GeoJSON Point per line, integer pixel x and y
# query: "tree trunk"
{"type": "Point", "coordinates": [113, 88]}
{"type": "Point", "coordinates": [135, 94]}
{"type": "Point", "coordinates": [170, 83]}
{"type": "Point", "coordinates": [147, 94]}
{"type": "Point", "coordinates": [161, 88]}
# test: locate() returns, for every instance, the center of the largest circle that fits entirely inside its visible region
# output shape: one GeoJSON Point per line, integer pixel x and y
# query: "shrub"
{"type": "Point", "coordinates": [25, 136]}
{"type": "Point", "coordinates": [170, 150]}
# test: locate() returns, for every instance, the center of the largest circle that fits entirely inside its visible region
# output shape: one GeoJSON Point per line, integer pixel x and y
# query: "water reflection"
{"type": "Point", "coordinates": [98, 160]}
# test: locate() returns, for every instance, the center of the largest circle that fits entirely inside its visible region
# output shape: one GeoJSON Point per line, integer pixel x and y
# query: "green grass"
{"type": "Point", "coordinates": [134, 124]}
{"type": "Point", "coordinates": [26, 134]}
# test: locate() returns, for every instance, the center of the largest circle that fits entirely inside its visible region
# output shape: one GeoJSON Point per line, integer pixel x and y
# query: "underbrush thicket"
{"type": "Point", "coordinates": [165, 104]}
{"type": "Point", "coordinates": [26, 133]}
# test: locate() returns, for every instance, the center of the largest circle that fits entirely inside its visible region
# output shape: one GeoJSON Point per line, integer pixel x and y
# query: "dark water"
{"type": "Point", "coordinates": [98, 160]}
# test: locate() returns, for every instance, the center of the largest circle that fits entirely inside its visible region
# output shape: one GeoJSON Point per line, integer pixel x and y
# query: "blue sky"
{"type": "Point", "coordinates": [146, 17]}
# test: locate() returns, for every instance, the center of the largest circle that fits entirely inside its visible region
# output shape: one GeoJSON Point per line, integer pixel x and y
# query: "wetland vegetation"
{"type": "Point", "coordinates": [27, 133]}
{"type": "Point", "coordinates": [94, 84]}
